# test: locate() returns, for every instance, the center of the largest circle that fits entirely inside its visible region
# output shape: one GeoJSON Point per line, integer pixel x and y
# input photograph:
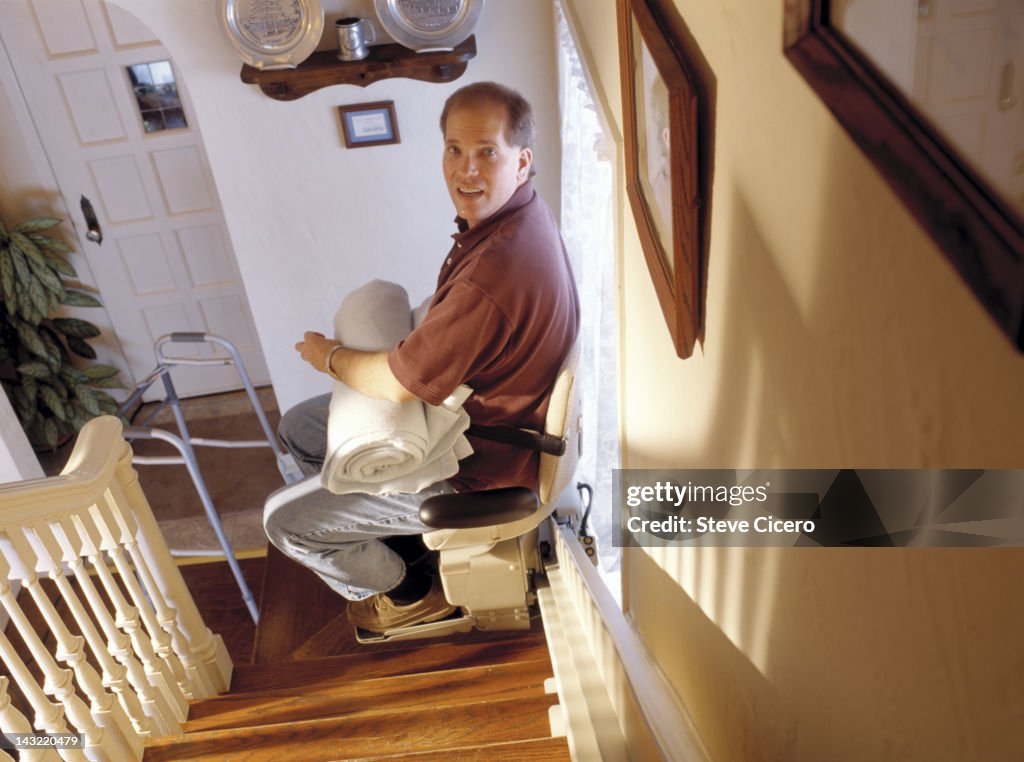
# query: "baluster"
{"type": "Point", "coordinates": [49, 717]}
{"type": "Point", "coordinates": [198, 682]}
{"type": "Point", "coordinates": [104, 514]}
{"type": "Point", "coordinates": [114, 674]}
{"type": "Point", "coordinates": [104, 711]}
{"type": "Point", "coordinates": [158, 672]}
{"type": "Point", "coordinates": [209, 649]}
{"type": "Point", "coordinates": [159, 708]}
{"type": "Point", "coordinates": [108, 713]}
{"type": "Point", "coordinates": [12, 721]}
{"type": "Point", "coordinates": [58, 682]}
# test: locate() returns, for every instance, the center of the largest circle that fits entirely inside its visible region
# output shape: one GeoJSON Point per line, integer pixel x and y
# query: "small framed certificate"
{"type": "Point", "coordinates": [369, 124]}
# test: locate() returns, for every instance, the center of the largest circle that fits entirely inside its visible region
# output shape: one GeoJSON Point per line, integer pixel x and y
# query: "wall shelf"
{"type": "Point", "coordinates": [323, 69]}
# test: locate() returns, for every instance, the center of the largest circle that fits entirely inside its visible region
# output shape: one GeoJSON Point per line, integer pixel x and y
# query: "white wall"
{"type": "Point", "coordinates": [310, 220]}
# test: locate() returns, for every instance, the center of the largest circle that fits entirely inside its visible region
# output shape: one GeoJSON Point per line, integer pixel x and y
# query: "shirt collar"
{"type": "Point", "coordinates": [468, 236]}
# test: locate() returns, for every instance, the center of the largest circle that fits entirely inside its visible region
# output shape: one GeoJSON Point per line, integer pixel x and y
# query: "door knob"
{"type": "Point", "coordinates": [95, 232]}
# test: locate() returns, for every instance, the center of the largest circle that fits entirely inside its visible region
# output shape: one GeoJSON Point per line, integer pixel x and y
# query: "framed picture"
{"type": "Point", "coordinates": [927, 92]}
{"type": "Point", "coordinates": [660, 110]}
{"type": "Point", "coordinates": [369, 124]}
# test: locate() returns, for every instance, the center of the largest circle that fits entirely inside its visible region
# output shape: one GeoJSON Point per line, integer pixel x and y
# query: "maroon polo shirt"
{"type": "Point", "coordinates": [502, 320]}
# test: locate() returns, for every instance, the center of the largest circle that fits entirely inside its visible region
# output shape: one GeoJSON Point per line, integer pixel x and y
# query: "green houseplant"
{"type": "Point", "coordinates": [52, 395]}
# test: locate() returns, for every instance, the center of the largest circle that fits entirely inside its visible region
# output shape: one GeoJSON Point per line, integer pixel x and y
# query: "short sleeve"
{"type": "Point", "coordinates": [463, 333]}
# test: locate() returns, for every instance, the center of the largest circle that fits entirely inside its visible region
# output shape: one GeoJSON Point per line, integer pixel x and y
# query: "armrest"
{"type": "Point", "coordinates": [467, 510]}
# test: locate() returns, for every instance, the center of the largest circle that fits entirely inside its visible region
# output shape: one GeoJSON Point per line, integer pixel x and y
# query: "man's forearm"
{"type": "Point", "coordinates": [369, 373]}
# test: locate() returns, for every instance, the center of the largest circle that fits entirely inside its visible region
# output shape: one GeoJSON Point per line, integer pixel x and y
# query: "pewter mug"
{"type": "Point", "coordinates": [353, 35]}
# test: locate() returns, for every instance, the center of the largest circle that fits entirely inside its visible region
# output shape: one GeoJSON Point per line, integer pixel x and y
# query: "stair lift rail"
{"type": "Point", "coordinates": [184, 443]}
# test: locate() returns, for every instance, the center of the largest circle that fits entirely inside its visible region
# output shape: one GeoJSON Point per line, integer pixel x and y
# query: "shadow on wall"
{"type": "Point", "coordinates": [845, 653]}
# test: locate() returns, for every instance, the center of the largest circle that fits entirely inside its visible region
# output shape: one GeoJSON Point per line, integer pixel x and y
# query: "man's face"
{"type": "Point", "coordinates": [481, 169]}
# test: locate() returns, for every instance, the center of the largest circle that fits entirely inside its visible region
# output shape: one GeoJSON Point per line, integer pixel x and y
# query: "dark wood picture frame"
{"type": "Point", "coordinates": [377, 132]}
{"type": "Point", "coordinates": [977, 231]}
{"type": "Point", "coordinates": [668, 222]}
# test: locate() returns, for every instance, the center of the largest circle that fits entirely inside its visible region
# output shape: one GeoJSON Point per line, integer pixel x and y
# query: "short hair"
{"type": "Point", "coordinates": [519, 126]}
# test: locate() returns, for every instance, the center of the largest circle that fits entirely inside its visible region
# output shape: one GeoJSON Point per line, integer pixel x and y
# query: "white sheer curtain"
{"type": "Point", "coordinates": [587, 214]}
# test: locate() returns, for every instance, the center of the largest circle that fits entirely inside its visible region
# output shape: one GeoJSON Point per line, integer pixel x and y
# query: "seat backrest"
{"type": "Point", "coordinates": [563, 420]}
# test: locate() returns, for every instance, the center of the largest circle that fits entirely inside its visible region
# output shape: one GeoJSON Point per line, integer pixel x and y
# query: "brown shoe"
{"type": "Point", "coordinates": [379, 613]}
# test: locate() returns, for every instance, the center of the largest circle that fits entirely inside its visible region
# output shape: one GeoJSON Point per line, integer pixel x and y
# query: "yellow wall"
{"type": "Point", "coordinates": [836, 336]}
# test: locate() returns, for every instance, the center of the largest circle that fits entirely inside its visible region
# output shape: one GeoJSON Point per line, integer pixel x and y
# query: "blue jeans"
{"type": "Point", "coordinates": [337, 536]}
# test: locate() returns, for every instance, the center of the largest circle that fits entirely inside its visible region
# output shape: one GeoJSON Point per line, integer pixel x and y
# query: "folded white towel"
{"type": "Point", "coordinates": [380, 447]}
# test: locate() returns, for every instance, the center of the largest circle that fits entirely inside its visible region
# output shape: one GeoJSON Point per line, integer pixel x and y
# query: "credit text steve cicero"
{"type": "Point", "coordinates": [664, 493]}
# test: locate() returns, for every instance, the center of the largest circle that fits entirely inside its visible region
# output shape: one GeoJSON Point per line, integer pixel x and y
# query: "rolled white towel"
{"type": "Point", "coordinates": [374, 445]}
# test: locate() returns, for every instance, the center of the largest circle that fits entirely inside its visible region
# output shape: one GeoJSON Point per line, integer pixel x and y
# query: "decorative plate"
{"type": "Point", "coordinates": [272, 34]}
{"type": "Point", "coordinates": [428, 25]}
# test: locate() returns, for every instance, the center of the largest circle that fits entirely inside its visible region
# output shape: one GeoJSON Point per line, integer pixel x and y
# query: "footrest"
{"type": "Point", "coordinates": [457, 622]}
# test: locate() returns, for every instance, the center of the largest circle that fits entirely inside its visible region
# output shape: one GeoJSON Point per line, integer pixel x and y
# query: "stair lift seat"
{"type": "Point", "coordinates": [488, 541]}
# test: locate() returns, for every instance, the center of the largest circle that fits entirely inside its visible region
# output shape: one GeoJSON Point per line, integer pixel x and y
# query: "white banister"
{"type": "Point", "coordinates": [154, 702]}
{"type": "Point", "coordinates": [158, 673]}
{"type": "Point", "coordinates": [152, 653]}
{"type": "Point", "coordinates": [49, 717]}
{"type": "Point", "coordinates": [208, 648]}
{"type": "Point", "coordinates": [114, 674]}
{"type": "Point", "coordinates": [14, 722]}
{"type": "Point", "coordinates": [57, 682]}
{"type": "Point", "coordinates": [113, 538]}
{"type": "Point", "coordinates": [107, 712]}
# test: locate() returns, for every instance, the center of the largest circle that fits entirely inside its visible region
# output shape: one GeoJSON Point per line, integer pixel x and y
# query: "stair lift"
{"type": "Point", "coordinates": [488, 545]}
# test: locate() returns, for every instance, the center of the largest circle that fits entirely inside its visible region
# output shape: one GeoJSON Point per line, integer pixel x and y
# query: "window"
{"type": "Point", "coordinates": [156, 94]}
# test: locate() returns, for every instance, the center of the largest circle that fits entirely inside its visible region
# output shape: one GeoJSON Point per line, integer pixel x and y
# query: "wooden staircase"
{"type": "Point", "coordinates": [312, 693]}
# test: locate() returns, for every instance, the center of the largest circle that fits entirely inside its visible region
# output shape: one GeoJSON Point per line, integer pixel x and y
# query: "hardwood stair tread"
{"type": "Point", "coordinates": [305, 702]}
{"type": "Point", "coordinates": [415, 658]}
{"type": "Point", "coordinates": [393, 732]}
{"type": "Point", "coordinates": [534, 750]}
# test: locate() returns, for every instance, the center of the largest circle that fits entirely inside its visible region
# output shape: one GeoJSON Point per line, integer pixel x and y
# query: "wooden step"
{"type": "Point", "coordinates": [389, 732]}
{"type": "Point", "coordinates": [294, 605]}
{"type": "Point", "coordinates": [417, 656]}
{"type": "Point", "coordinates": [537, 750]}
{"type": "Point", "coordinates": [345, 698]}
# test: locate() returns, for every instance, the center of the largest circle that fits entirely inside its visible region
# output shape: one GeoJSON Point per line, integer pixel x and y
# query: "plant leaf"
{"type": "Point", "coordinates": [88, 400]}
{"type": "Point", "coordinates": [43, 433]}
{"type": "Point", "coordinates": [39, 223]}
{"type": "Point", "coordinates": [75, 298]}
{"type": "Point", "coordinates": [107, 403]}
{"type": "Point", "coordinates": [79, 415]}
{"type": "Point", "coordinates": [55, 354]}
{"type": "Point", "coordinates": [108, 383]}
{"type": "Point", "coordinates": [83, 329]}
{"type": "Point", "coordinates": [73, 376]}
{"type": "Point", "coordinates": [80, 348]}
{"type": "Point", "coordinates": [99, 372]}
{"type": "Point", "coordinates": [50, 433]}
{"type": "Point", "coordinates": [53, 401]}
{"type": "Point", "coordinates": [35, 369]}
{"type": "Point", "coordinates": [24, 406]}
{"type": "Point", "coordinates": [6, 273]}
{"type": "Point", "coordinates": [49, 279]}
{"type": "Point", "coordinates": [30, 338]}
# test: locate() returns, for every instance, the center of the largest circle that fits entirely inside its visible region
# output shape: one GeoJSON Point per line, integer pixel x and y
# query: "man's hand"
{"type": "Point", "coordinates": [366, 372]}
{"type": "Point", "coordinates": [314, 348]}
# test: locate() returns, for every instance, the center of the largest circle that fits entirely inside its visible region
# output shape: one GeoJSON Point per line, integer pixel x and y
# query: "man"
{"type": "Point", "coordinates": [502, 320]}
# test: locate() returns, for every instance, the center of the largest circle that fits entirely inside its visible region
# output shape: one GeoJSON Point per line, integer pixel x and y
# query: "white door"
{"type": "Point", "coordinates": [117, 126]}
